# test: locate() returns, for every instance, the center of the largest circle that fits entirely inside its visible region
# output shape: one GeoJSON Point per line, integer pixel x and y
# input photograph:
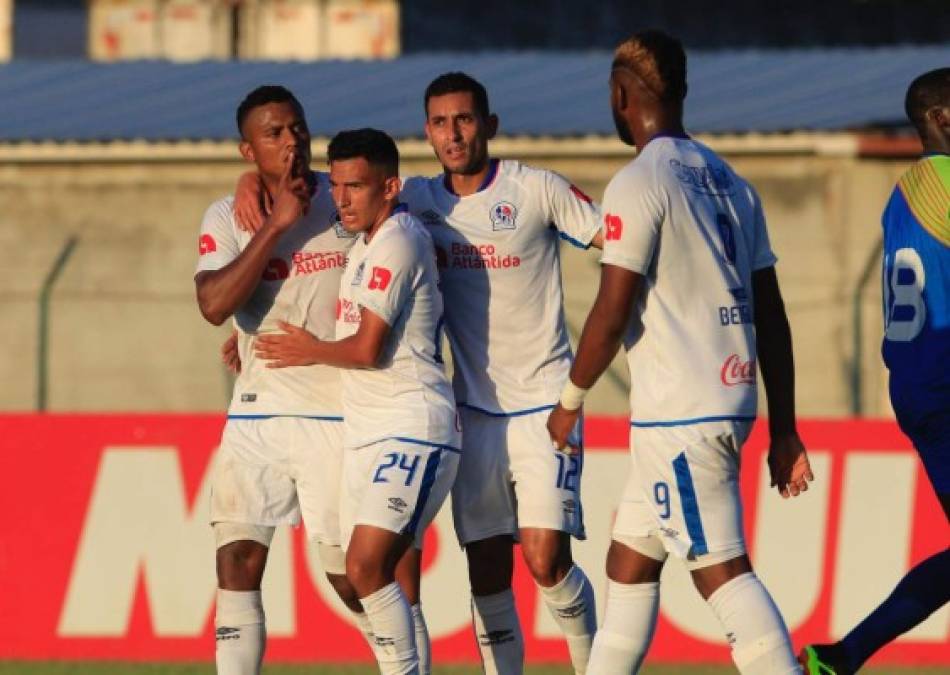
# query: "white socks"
{"type": "Point", "coordinates": [422, 639]}
{"type": "Point", "coordinates": [239, 632]}
{"type": "Point", "coordinates": [571, 603]}
{"type": "Point", "coordinates": [498, 633]}
{"type": "Point", "coordinates": [629, 622]}
{"type": "Point", "coordinates": [391, 621]}
{"type": "Point", "coordinates": [362, 624]}
{"type": "Point", "coordinates": [419, 628]}
{"type": "Point", "coordinates": [754, 627]}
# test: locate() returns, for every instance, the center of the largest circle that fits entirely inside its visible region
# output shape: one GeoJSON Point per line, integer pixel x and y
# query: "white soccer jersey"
{"type": "Point", "coordinates": [682, 218]}
{"type": "Point", "coordinates": [299, 285]}
{"type": "Point", "coordinates": [499, 259]}
{"type": "Point", "coordinates": [408, 396]}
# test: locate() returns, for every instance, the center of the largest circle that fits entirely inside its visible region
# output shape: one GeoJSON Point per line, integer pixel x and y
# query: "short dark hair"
{"type": "Point", "coordinates": [268, 93]}
{"type": "Point", "coordinates": [927, 91]}
{"type": "Point", "coordinates": [659, 59]}
{"type": "Point", "coordinates": [373, 145]}
{"type": "Point", "coordinates": [454, 83]}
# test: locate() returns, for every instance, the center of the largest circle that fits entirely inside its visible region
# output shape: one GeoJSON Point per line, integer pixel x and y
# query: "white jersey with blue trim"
{"type": "Point", "coordinates": [681, 217]}
{"type": "Point", "coordinates": [300, 286]}
{"type": "Point", "coordinates": [498, 255]}
{"type": "Point", "coordinates": [408, 396]}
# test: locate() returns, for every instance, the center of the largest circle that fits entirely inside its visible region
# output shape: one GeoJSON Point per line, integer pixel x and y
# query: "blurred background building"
{"type": "Point", "coordinates": [116, 131]}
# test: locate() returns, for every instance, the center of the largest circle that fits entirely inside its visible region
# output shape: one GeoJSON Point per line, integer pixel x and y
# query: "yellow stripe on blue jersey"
{"type": "Point", "coordinates": [926, 189]}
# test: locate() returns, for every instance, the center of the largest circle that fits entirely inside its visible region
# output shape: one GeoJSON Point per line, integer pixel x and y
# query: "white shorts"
{"type": "Point", "coordinates": [684, 488]}
{"type": "Point", "coordinates": [510, 476]}
{"type": "Point", "coordinates": [397, 485]}
{"type": "Point", "coordinates": [271, 470]}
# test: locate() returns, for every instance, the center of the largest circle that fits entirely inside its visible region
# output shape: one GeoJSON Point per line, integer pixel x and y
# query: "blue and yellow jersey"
{"type": "Point", "coordinates": [917, 279]}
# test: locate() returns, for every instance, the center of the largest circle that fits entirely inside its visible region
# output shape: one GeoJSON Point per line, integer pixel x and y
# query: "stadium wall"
{"type": "Point", "coordinates": [111, 557]}
{"type": "Point", "coordinates": [125, 334]}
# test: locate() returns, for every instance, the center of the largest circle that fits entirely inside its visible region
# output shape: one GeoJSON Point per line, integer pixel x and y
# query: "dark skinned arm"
{"type": "Point", "coordinates": [221, 292]}
{"type": "Point", "coordinates": [601, 338]}
{"type": "Point", "coordinates": [788, 459]}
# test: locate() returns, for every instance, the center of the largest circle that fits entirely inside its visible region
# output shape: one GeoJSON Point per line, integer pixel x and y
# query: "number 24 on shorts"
{"type": "Point", "coordinates": [397, 460]}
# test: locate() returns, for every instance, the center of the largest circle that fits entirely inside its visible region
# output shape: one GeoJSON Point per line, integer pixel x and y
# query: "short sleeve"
{"type": "Point", "coordinates": [762, 255]}
{"type": "Point", "coordinates": [389, 276]}
{"type": "Point", "coordinates": [573, 213]}
{"type": "Point", "coordinates": [217, 241]}
{"type": "Point", "coordinates": [634, 210]}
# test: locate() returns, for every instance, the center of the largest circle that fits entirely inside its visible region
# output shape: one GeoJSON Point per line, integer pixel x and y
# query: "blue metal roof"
{"type": "Point", "coordinates": [535, 94]}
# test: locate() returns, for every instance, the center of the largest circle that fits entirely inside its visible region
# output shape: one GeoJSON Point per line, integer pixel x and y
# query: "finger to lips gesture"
{"type": "Point", "coordinates": [293, 197]}
{"type": "Point", "coordinates": [293, 347]}
{"type": "Point", "coordinates": [561, 423]}
{"type": "Point", "coordinates": [789, 467]}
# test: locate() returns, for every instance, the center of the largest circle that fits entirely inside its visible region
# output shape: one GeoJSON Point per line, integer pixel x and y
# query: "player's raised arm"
{"type": "Point", "coordinates": [222, 291]}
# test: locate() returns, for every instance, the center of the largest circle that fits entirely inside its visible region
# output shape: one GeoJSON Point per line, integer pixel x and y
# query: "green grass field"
{"type": "Point", "coordinates": [92, 668]}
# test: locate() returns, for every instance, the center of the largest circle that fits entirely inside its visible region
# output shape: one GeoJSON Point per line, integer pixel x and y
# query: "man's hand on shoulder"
{"type": "Point", "coordinates": [789, 467]}
{"type": "Point", "coordinates": [292, 200]}
{"type": "Point", "coordinates": [293, 347]}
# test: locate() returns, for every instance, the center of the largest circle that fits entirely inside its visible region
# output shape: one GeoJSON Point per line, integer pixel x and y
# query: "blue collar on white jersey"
{"type": "Point", "coordinates": [400, 207]}
{"type": "Point", "coordinates": [489, 177]}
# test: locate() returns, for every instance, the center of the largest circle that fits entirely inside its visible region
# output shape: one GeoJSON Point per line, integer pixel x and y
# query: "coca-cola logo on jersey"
{"type": "Point", "coordinates": [735, 371]}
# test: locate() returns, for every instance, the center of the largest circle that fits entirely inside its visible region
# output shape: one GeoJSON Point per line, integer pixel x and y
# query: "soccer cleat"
{"type": "Point", "coordinates": [815, 663]}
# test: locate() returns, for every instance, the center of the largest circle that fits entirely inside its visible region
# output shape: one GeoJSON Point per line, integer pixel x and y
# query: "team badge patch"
{"type": "Point", "coordinates": [503, 216]}
{"type": "Point", "coordinates": [341, 231]}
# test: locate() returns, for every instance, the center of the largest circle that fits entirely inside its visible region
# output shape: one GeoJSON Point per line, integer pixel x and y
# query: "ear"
{"type": "Point", "coordinates": [247, 152]}
{"type": "Point", "coordinates": [428, 132]}
{"type": "Point", "coordinates": [491, 126]}
{"type": "Point", "coordinates": [393, 186]}
{"type": "Point", "coordinates": [618, 95]}
{"type": "Point", "coordinates": [939, 115]}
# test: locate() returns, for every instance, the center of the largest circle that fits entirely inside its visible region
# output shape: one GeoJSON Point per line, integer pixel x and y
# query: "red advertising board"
{"type": "Point", "coordinates": [105, 552]}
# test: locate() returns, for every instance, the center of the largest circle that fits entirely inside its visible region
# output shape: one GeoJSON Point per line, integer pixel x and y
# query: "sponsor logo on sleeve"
{"type": "Point", "coordinates": [735, 371]}
{"type": "Point", "coordinates": [580, 194]}
{"type": "Point", "coordinates": [380, 279]}
{"type": "Point", "coordinates": [206, 244]}
{"type": "Point", "coordinates": [613, 227]}
{"type": "Point", "coordinates": [503, 215]}
{"type": "Point", "coordinates": [276, 270]}
{"type": "Point", "coordinates": [347, 311]}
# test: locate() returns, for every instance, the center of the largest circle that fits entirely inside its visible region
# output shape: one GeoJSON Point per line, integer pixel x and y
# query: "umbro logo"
{"type": "Point", "coordinates": [571, 612]}
{"type": "Point", "coordinates": [227, 633]}
{"type": "Point", "coordinates": [431, 218]}
{"type": "Point", "coordinates": [248, 398]}
{"type": "Point", "coordinates": [570, 506]}
{"type": "Point", "coordinates": [383, 641]}
{"type": "Point", "coordinates": [496, 637]}
{"type": "Point", "coordinates": [398, 505]}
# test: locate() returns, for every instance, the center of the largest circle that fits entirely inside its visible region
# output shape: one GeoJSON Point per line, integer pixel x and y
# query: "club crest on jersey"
{"type": "Point", "coordinates": [503, 216]}
{"type": "Point", "coordinates": [341, 231]}
{"type": "Point", "coordinates": [358, 275]}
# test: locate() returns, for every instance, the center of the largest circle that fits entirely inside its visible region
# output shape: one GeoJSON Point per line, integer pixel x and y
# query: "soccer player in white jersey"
{"type": "Point", "coordinates": [281, 451]}
{"type": "Point", "coordinates": [497, 226]}
{"type": "Point", "coordinates": [401, 438]}
{"type": "Point", "coordinates": [688, 286]}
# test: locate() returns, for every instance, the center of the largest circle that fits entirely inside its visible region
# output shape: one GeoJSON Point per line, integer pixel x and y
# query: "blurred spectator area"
{"type": "Point", "coordinates": [188, 30]}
